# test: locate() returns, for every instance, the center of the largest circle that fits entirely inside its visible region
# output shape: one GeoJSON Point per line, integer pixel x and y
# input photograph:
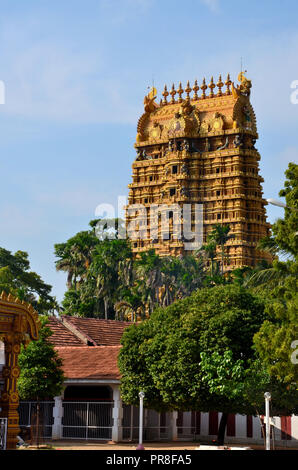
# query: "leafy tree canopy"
{"type": "Point", "coordinates": [17, 279]}
{"type": "Point", "coordinates": [41, 375]}
{"type": "Point", "coordinates": [198, 354]}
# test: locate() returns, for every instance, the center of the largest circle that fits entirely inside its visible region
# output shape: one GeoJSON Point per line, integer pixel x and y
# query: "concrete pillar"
{"type": "Point", "coordinates": [204, 424]}
{"type": "Point", "coordinates": [117, 416]}
{"type": "Point", "coordinates": [57, 415]}
{"type": "Point", "coordinates": [241, 431]}
{"type": "Point", "coordinates": [294, 427]}
{"type": "Point", "coordinates": [173, 425]}
{"type": "Point", "coordinates": [257, 430]}
{"type": "Point", "coordinates": [277, 428]}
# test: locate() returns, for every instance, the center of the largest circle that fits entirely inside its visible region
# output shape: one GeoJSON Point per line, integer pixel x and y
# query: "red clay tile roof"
{"type": "Point", "coordinates": [62, 336]}
{"type": "Point", "coordinates": [100, 332]}
{"type": "Point", "coordinates": [87, 362]}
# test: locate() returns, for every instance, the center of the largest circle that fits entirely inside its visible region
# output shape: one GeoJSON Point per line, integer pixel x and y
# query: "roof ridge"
{"type": "Point", "coordinates": [71, 318]}
{"type": "Point", "coordinates": [77, 331]}
{"type": "Point", "coordinates": [93, 347]}
{"type": "Point", "coordinates": [56, 322]}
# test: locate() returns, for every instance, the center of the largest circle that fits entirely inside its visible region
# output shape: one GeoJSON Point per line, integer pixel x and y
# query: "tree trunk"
{"type": "Point", "coordinates": [222, 429]}
{"type": "Point", "coordinates": [106, 308]}
{"type": "Point", "coordinates": [222, 260]}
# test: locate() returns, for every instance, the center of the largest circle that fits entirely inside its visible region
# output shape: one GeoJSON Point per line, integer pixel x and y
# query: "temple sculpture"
{"type": "Point", "coordinates": [19, 325]}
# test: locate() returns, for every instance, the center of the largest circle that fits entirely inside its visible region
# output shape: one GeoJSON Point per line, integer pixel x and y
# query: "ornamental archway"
{"type": "Point", "coordinates": [18, 325]}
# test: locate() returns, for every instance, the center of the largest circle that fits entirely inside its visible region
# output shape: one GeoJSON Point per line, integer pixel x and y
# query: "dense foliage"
{"type": "Point", "coordinates": [104, 280]}
{"type": "Point", "coordinates": [41, 375]}
{"type": "Point", "coordinates": [198, 354]}
{"type": "Point", "coordinates": [280, 329]}
{"type": "Point", "coordinates": [17, 279]}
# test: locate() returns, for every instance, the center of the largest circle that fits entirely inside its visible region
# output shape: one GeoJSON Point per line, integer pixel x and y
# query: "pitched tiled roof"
{"type": "Point", "coordinates": [62, 336]}
{"type": "Point", "coordinates": [98, 362]}
{"type": "Point", "coordinates": [98, 331]}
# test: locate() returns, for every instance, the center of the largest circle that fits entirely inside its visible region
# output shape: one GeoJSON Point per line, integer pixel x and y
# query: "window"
{"type": "Point", "coordinates": [174, 169]}
{"type": "Point", "coordinates": [172, 192]}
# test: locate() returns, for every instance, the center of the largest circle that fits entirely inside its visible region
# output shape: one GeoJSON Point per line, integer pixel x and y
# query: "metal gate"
{"type": "Point", "coordinates": [27, 411]}
{"type": "Point", "coordinates": [156, 425]}
{"type": "Point", "coordinates": [87, 420]}
{"type": "Point", "coordinates": [3, 433]}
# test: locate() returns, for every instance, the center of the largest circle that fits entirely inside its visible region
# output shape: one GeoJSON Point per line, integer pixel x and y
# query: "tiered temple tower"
{"type": "Point", "coordinates": [201, 150]}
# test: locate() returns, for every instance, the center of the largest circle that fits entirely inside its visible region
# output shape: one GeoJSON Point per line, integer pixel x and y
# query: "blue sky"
{"type": "Point", "coordinates": [76, 73]}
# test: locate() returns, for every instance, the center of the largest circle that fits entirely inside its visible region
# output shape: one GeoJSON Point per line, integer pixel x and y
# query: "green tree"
{"type": "Point", "coordinates": [165, 356]}
{"type": "Point", "coordinates": [41, 375]}
{"type": "Point", "coordinates": [285, 230]}
{"type": "Point", "coordinates": [74, 257]}
{"type": "Point", "coordinates": [279, 283]}
{"type": "Point", "coordinates": [284, 240]}
{"type": "Point", "coordinates": [17, 278]}
{"type": "Point", "coordinates": [220, 235]}
{"type": "Point", "coordinates": [279, 331]}
{"type": "Point", "coordinates": [209, 253]}
{"type": "Point", "coordinates": [105, 267]}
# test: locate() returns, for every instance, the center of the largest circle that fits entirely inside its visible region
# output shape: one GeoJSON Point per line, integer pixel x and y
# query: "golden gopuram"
{"type": "Point", "coordinates": [18, 325]}
{"type": "Point", "coordinates": [200, 149]}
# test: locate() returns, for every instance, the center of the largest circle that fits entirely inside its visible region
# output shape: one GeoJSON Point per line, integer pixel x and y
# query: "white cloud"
{"type": "Point", "coordinates": [121, 11]}
{"type": "Point", "coordinates": [48, 81]}
{"type": "Point", "coordinates": [213, 5]}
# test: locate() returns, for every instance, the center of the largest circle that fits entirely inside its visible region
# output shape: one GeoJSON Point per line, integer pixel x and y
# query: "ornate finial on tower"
{"type": "Point", "coordinates": [180, 92]}
{"type": "Point", "coordinates": [149, 101]}
{"type": "Point", "coordinates": [196, 89]}
{"type": "Point", "coordinates": [219, 85]}
{"type": "Point", "coordinates": [204, 88]}
{"type": "Point", "coordinates": [173, 93]}
{"type": "Point", "coordinates": [165, 93]}
{"type": "Point", "coordinates": [228, 83]}
{"type": "Point", "coordinates": [187, 91]}
{"type": "Point", "coordinates": [211, 86]}
{"type": "Point", "coordinates": [244, 88]}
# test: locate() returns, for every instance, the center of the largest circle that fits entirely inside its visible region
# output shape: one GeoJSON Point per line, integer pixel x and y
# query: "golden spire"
{"type": "Point", "coordinates": [187, 91]}
{"type": "Point", "coordinates": [228, 83]}
{"type": "Point", "coordinates": [173, 93]}
{"type": "Point", "coordinates": [165, 93]}
{"type": "Point", "coordinates": [180, 92]}
{"type": "Point", "coordinates": [204, 88]}
{"type": "Point", "coordinates": [196, 89]}
{"type": "Point", "coordinates": [219, 85]}
{"type": "Point", "coordinates": [211, 86]}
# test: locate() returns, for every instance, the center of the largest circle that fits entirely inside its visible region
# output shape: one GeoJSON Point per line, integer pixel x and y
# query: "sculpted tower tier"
{"type": "Point", "coordinates": [200, 150]}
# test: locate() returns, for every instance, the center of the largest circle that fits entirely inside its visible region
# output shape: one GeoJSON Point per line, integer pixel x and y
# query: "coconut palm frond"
{"type": "Point", "coordinates": [270, 276]}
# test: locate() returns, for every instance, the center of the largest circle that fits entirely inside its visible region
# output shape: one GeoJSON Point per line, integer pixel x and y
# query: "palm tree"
{"type": "Point", "coordinates": [107, 269]}
{"type": "Point", "coordinates": [148, 270]}
{"type": "Point", "coordinates": [220, 235]}
{"type": "Point", "coordinates": [209, 252]}
{"type": "Point", "coordinates": [191, 275]}
{"type": "Point", "coordinates": [270, 275]}
{"type": "Point", "coordinates": [75, 256]}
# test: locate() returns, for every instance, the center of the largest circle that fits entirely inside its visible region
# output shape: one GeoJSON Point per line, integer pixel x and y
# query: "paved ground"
{"type": "Point", "coordinates": [105, 445]}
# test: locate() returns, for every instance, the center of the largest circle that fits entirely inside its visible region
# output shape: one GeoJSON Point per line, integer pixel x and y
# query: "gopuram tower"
{"type": "Point", "coordinates": [198, 151]}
